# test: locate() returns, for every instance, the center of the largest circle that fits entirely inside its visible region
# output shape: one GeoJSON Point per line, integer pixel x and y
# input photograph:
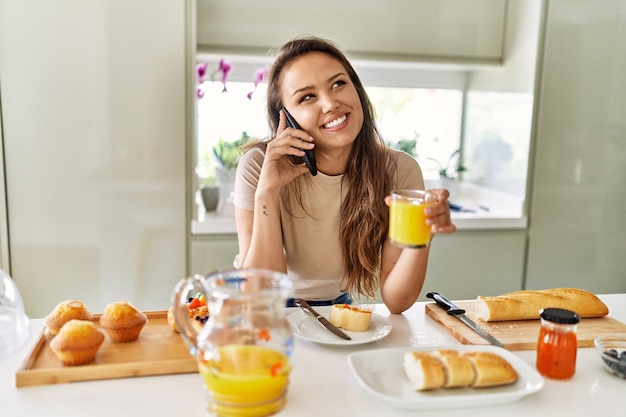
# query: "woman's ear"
{"type": "Point", "coordinates": [276, 114]}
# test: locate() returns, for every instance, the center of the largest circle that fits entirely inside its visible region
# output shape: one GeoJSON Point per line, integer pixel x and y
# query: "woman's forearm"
{"type": "Point", "coordinates": [266, 243]}
{"type": "Point", "coordinates": [402, 280]}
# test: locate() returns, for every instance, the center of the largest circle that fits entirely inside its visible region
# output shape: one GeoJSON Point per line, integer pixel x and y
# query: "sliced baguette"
{"type": "Point", "coordinates": [448, 368]}
{"type": "Point", "coordinates": [526, 304]}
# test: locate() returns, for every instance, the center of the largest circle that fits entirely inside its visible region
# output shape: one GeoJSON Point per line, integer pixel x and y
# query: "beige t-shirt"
{"type": "Point", "coordinates": [311, 242]}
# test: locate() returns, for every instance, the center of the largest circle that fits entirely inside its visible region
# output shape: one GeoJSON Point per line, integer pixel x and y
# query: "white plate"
{"type": "Point", "coordinates": [305, 326]}
{"type": "Point", "coordinates": [381, 373]}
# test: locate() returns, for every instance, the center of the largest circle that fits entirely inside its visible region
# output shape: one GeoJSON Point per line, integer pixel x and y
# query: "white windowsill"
{"type": "Point", "coordinates": [493, 210]}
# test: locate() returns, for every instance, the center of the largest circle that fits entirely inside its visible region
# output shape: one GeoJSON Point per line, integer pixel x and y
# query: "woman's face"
{"type": "Point", "coordinates": [319, 94]}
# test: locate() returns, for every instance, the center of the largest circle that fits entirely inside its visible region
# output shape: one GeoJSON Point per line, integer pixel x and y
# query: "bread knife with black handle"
{"type": "Point", "coordinates": [459, 313]}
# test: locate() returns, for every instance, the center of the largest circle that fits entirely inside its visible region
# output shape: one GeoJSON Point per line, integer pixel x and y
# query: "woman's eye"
{"type": "Point", "coordinates": [339, 83]}
{"type": "Point", "coordinates": [306, 97]}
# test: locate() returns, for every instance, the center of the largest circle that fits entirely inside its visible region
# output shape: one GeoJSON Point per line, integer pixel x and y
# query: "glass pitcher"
{"type": "Point", "coordinates": [244, 348]}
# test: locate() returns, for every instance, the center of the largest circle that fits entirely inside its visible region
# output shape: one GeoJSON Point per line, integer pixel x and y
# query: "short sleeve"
{"type": "Point", "coordinates": [247, 178]}
{"type": "Point", "coordinates": [409, 174]}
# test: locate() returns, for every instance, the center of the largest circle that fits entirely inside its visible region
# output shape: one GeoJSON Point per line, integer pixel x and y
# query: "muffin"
{"type": "Point", "coordinates": [77, 343]}
{"type": "Point", "coordinates": [122, 322]}
{"type": "Point", "coordinates": [64, 312]}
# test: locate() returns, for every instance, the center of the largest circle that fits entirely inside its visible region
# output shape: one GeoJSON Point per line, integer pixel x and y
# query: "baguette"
{"type": "Point", "coordinates": [448, 368]}
{"type": "Point", "coordinates": [526, 304]}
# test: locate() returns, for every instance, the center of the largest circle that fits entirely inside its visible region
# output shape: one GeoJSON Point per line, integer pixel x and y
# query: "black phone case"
{"type": "Point", "coordinates": [309, 156]}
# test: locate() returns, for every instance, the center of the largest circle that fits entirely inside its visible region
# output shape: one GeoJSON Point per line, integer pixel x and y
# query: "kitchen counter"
{"type": "Point", "coordinates": [321, 383]}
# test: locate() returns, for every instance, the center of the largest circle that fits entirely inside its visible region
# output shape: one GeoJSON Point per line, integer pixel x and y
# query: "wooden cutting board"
{"type": "Point", "coordinates": [517, 335]}
{"type": "Point", "coordinates": [158, 351]}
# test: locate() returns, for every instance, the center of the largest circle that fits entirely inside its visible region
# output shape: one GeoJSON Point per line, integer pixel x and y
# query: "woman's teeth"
{"type": "Point", "coordinates": [336, 122]}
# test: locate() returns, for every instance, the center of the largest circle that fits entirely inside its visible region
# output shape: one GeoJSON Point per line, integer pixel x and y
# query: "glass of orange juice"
{"type": "Point", "coordinates": [244, 348]}
{"type": "Point", "coordinates": [407, 220]}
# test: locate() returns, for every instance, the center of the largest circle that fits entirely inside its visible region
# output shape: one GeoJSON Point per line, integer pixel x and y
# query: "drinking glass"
{"type": "Point", "coordinates": [407, 220]}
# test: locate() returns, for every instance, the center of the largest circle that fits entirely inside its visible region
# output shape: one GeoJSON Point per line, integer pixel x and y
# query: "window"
{"type": "Point", "coordinates": [429, 117]}
{"type": "Point", "coordinates": [497, 139]}
{"type": "Point", "coordinates": [411, 107]}
{"type": "Point", "coordinates": [423, 109]}
{"type": "Point", "coordinates": [226, 116]}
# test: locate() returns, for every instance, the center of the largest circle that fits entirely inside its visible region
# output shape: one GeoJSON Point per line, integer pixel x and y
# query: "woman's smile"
{"type": "Point", "coordinates": [337, 123]}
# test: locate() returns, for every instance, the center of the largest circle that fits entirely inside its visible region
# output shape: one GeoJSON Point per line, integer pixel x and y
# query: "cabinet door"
{"type": "Point", "coordinates": [93, 111]}
{"type": "Point", "coordinates": [443, 29]}
{"type": "Point", "coordinates": [210, 253]}
{"type": "Point", "coordinates": [461, 266]}
{"type": "Point", "coordinates": [467, 264]}
{"type": "Point", "coordinates": [578, 224]}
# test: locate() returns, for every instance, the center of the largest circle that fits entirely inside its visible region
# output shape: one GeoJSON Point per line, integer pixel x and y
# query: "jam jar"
{"type": "Point", "coordinates": [557, 343]}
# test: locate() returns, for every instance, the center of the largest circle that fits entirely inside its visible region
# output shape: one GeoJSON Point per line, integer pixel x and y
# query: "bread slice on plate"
{"type": "Point", "coordinates": [425, 371]}
{"type": "Point", "coordinates": [458, 368]}
{"type": "Point", "coordinates": [350, 318]}
{"type": "Point", "coordinates": [490, 369]}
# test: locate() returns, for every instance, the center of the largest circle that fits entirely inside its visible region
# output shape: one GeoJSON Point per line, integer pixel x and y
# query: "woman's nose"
{"type": "Point", "coordinates": [328, 102]}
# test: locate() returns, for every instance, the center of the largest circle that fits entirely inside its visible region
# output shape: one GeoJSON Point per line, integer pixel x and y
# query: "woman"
{"type": "Point", "coordinates": [328, 231]}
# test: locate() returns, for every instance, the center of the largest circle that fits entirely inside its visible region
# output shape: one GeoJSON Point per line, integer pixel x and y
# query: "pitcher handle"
{"type": "Point", "coordinates": [189, 285]}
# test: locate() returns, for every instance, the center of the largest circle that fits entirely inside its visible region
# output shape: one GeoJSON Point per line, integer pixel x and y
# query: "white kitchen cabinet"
{"type": "Point", "coordinates": [461, 266]}
{"type": "Point", "coordinates": [94, 121]}
{"type": "Point", "coordinates": [577, 221]}
{"type": "Point", "coordinates": [427, 30]}
{"type": "Point", "coordinates": [470, 263]}
{"type": "Point", "coordinates": [212, 252]}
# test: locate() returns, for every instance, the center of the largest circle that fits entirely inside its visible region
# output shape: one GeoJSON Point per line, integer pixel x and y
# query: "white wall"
{"type": "Point", "coordinates": [94, 116]}
{"type": "Point", "coordinates": [521, 39]}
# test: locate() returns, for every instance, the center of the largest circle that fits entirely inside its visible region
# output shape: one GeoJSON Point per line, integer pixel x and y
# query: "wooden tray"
{"type": "Point", "coordinates": [517, 335]}
{"type": "Point", "coordinates": [158, 351]}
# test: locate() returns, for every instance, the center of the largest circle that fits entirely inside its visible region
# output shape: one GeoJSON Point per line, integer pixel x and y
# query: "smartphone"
{"type": "Point", "coordinates": [309, 156]}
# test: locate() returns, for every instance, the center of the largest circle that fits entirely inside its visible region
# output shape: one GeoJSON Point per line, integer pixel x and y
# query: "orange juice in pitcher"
{"type": "Point", "coordinates": [246, 380]}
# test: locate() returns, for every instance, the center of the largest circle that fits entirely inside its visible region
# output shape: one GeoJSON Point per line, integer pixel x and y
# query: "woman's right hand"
{"type": "Point", "coordinates": [277, 170]}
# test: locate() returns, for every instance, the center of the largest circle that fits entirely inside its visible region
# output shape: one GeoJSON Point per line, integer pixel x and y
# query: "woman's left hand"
{"type": "Point", "coordinates": [438, 214]}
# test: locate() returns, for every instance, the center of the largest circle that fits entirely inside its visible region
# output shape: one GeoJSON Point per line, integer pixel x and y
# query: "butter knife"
{"type": "Point", "coordinates": [459, 313]}
{"type": "Point", "coordinates": [321, 319]}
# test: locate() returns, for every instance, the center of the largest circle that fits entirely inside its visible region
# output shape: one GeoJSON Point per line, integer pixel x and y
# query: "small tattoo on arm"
{"type": "Point", "coordinates": [264, 210]}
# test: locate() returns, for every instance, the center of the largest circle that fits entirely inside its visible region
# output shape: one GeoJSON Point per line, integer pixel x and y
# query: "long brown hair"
{"type": "Point", "coordinates": [364, 214]}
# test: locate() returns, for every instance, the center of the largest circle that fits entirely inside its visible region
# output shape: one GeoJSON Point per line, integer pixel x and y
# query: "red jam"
{"type": "Point", "coordinates": [557, 343]}
{"type": "Point", "coordinates": [349, 307]}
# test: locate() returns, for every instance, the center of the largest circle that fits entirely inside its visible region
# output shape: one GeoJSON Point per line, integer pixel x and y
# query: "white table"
{"type": "Point", "coordinates": [321, 384]}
